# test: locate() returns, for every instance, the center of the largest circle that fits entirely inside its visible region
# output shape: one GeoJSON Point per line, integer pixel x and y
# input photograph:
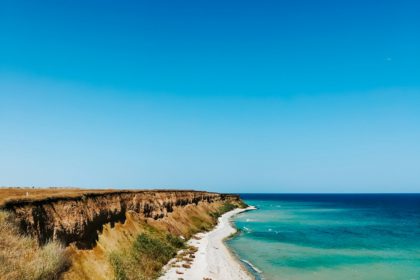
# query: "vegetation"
{"type": "Point", "coordinates": [149, 252]}
{"type": "Point", "coordinates": [134, 250]}
{"type": "Point", "coordinates": [226, 207]}
{"type": "Point", "coordinates": [242, 204]}
{"type": "Point", "coordinates": [154, 247]}
{"type": "Point", "coordinates": [22, 258]}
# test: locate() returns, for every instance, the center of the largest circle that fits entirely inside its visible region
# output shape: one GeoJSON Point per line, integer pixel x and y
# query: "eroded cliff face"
{"type": "Point", "coordinates": [79, 220]}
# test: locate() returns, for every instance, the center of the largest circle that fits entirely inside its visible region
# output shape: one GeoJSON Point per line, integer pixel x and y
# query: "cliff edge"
{"type": "Point", "coordinates": [96, 226]}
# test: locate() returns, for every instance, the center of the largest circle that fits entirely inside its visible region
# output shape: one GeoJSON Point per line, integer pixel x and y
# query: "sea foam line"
{"type": "Point", "coordinates": [253, 268]}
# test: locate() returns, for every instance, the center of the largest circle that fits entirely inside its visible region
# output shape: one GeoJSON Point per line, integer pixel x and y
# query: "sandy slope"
{"type": "Point", "coordinates": [213, 260]}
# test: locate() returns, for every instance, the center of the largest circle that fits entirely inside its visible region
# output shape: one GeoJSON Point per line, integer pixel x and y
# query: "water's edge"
{"type": "Point", "coordinates": [252, 269]}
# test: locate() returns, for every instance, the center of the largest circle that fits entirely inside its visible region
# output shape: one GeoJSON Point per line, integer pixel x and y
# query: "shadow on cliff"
{"type": "Point", "coordinates": [80, 220]}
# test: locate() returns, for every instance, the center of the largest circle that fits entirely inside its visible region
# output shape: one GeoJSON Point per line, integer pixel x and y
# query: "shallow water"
{"type": "Point", "coordinates": [331, 236]}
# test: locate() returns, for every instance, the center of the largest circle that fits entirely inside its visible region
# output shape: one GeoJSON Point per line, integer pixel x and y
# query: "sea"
{"type": "Point", "coordinates": [330, 236]}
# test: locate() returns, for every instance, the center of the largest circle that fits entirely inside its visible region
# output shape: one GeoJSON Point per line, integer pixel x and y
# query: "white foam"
{"type": "Point", "coordinates": [251, 265]}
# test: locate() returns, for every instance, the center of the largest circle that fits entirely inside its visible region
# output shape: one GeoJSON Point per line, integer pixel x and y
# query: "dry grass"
{"type": "Point", "coordinates": [25, 194]}
{"type": "Point", "coordinates": [33, 194]}
{"type": "Point", "coordinates": [22, 258]}
{"type": "Point", "coordinates": [116, 255]}
{"type": "Point", "coordinates": [159, 241]}
{"type": "Point", "coordinates": [144, 259]}
{"type": "Point", "coordinates": [113, 257]}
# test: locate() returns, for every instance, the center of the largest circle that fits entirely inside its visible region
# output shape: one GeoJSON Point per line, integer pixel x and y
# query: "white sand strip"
{"type": "Point", "coordinates": [212, 260]}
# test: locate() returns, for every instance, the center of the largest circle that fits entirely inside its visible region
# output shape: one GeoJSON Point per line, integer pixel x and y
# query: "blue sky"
{"type": "Point", "coordinates": [235, 96]}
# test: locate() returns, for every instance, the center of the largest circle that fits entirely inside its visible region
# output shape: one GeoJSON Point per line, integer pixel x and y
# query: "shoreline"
{"type": "Point", "coordinates": [213, 259]}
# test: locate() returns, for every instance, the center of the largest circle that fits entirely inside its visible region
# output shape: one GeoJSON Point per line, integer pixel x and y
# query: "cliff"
{"type": "Point", "coordinates": [103, 231]}
{"type": "Point", "coordinates": [79, 219]}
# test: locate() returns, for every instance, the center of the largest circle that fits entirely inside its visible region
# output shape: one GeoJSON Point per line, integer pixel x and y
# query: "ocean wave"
{"type": "Point", "coordinates": [246, 229]}
{"type": "Point", "coordinates": [253, 268]}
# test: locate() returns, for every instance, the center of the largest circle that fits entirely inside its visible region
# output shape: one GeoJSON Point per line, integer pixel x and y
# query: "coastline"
{"type": "Point", "coordinates": [213, 259]}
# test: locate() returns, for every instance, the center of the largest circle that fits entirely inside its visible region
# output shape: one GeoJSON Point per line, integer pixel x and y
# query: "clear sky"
{"type": "Point", "coordinates": [235, 96]}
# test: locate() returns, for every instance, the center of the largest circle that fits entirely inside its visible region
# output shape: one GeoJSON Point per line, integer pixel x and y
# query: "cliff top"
{"type": "Point", "coordinates": [12, 195]}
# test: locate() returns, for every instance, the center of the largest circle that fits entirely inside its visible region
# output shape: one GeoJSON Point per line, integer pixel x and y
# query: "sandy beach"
{"type": "Point", "coordinates": [213, 260]}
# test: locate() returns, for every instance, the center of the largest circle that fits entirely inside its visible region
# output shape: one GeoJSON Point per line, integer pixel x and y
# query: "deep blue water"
{"type": "Point", "coordinates": [331, 236]}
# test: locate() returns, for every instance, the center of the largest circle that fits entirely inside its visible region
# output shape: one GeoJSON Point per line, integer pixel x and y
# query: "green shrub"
{"type": "Point", "coordinates": [242, 204]}
{"type": "Point", "coordinates": [175, 241]}
{"type": "Point", "coordinates": [117, 263]}
{"type": "Point", "coordinates": [226, 207]}
{"type": "Point", "coordinates": [153, 248]}
{"type": "Point", "coordinates": [149, 252]}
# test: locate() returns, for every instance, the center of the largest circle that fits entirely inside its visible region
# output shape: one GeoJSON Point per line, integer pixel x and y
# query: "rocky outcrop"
{"type": "Point", "coordinates": [80, 219]}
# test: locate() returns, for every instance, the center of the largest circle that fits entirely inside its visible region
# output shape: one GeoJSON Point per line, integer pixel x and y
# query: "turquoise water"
{"type": "Point", "coordinates": [327, 237]}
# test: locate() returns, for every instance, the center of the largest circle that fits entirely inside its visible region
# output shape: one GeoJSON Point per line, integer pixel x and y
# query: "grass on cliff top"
{"type": "Point", "coordinates": [21, 258]}
{"type": "Point", "coordinates": [33, 194]}
{"type": "Point", "coordinates": [27, 194]}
